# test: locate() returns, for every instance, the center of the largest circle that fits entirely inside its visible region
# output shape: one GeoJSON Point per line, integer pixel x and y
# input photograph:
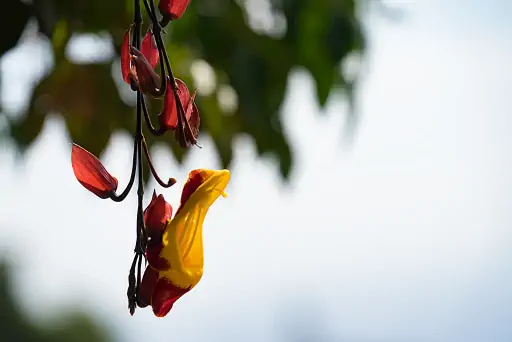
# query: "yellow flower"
{"type": "Point", "coordinates": [175, 249]}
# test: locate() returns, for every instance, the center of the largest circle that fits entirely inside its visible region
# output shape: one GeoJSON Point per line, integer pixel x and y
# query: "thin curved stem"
{"type": "Point", "coordinates": [149, 124]}
{"type": "Point", "coordinates": [134, 280]}
{"type": "Point", "coordinates": [119, 198]}
{"type": "Point", "coordinates": [153, 9]}
{"type": "Point", "coordinates": [184, 129]}
{"type": "Point", "coordinates": [163, 56]}
{"type": "Point", "coordinates": [184, 126]}
{"type": "Point", "coordinates": [163, 77]}
{"type": "Point", "coordinates": [150, 12]}
{"type": "Point", "coordinates": [156, 31]}
{"type": "Point", "coordinates": [138, 132]}
{"type": "Point", "coordinates": [181, 112]}
{"type": "Point", "coordinates": [170, 182]}
{"type": "Point", "coordinates": [139, 249]}
{"type": "Point", "coordinates": [164, 22]}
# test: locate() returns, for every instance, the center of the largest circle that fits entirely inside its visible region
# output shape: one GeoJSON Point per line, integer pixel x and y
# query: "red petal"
{"type": "Point", "coordinates": [173, 9]}
{"type": "Point", "coordinates": [153, 250]}
{"type": "Point", "coordinates": [165, 295]}
{"type": "Point", "coordinates": [156, 215]}
{"type": "Point", "coordinates": [147, 286]}
{"type": "Point", "coordinates": [125, 57]}
{"type": "Point", "coordinates": [169, 117]}
{"type": "Point", "coordinates": [195, 179]}
{"type": "Point", "coordinates": [91, 173]}
{"type": "Point", "coordinates": [149, 49]}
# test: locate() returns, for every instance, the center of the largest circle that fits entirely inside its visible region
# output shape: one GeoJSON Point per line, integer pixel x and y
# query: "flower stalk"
{"type": "Point", "coordinates": [139, 58]}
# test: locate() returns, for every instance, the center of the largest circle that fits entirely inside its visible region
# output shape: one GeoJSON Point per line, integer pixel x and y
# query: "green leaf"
{"type": "Point", "coordinates": [86, 97]}
{"type": "Point", "coordinates": [319, 36]}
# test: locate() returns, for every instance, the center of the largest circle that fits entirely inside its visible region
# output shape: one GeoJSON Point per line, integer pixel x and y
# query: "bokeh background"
{"type": "Point", "coordinates": [370, 150]}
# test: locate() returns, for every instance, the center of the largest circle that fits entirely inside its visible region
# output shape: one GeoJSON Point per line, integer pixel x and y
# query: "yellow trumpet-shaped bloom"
{"type": "Point", "coordinates": [182, 239]}
{"type": "Point", "coordinates": [176, 257]}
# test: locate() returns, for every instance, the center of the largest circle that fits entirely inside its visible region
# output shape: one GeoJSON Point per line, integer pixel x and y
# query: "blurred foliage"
{"type": "Point", "coordinates": [15, 326]}
{"type": "Point", "coordinates": [253, 59]}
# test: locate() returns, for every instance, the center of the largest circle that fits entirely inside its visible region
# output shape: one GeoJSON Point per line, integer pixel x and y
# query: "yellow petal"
{"type": "Point", "coordinates": [183, 236]}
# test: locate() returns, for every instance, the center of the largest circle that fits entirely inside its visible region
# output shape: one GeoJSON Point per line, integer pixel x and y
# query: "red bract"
{"type": "Point", "coordinates": [169, 117]}
{"type": "Point", "coordinates": [158, 292]}
{"type": "Point", "coordinates": [139, 65]}
{"type": "Point", "coordinates": [143, 73]}
{"type": "Point", "coordinates": [165, 294]}
{"type": "Point", "coordinates": [149, 49]}
{"type": "Point", "coordinates": [125, 57]}
{"type": "Point", "coordinates": [156, 215]}
{"type": "Point", "coordinates": [147, 286]}
{"type": "Point", "coordinates": [172, 9]}
{"type": "Point", "coordinates": [91, 173]}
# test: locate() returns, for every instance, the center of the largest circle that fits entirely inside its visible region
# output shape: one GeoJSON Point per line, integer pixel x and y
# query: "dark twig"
{"type": "Point", "coordinates": [170, 182]}
{"type": "Point", "coordinates": [151, 13]}
{"type": "Point", "coordinates": [122, 196]}
{"type": "Point", "coordinates": [140, 186]}
{"type": "Point", "coordinates": [133, 280]}
{"type": "Point", "coordinates": [182, 121]}
{"type": "Point", "coordinates": [156, 30]}
{"type": "Point", "coordinates": [149, 124]}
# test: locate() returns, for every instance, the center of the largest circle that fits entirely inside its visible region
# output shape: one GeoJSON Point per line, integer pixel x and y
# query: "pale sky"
{"type": "Point", "coordinates": [404, 236]}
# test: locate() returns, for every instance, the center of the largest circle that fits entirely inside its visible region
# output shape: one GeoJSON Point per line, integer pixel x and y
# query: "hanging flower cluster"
{"type": "Point", "coordinates": [171, 246]}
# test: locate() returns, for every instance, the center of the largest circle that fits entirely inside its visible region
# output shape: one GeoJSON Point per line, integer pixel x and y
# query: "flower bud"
{"type": "Point", "coordinates": [143, 73]}
{"type": "Point", "coordinates": [156, 215]}
{"type": "Point", "coordinates": [168, 118]}
{"type": "Point", "coordinates": [172, 9]}
{"type": "Point", "coordinates": [91, 173]}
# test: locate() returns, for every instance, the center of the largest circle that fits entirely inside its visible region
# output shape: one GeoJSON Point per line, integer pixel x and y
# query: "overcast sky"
{"type": "Point", "coordinates": [404, 236]}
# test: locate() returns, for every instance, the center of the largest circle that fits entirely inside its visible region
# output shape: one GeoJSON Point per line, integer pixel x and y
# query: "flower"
{"type": "Point", "coordinates": [139, 66]}
{"type": "Point", "coordinates": [175, 254]}
{"type": "Point", "coordinates": [172, 9]}
{"type": "Point", "coordinates": [91, 173]}
{"type": "Point", "coordinates": [168, 118]}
